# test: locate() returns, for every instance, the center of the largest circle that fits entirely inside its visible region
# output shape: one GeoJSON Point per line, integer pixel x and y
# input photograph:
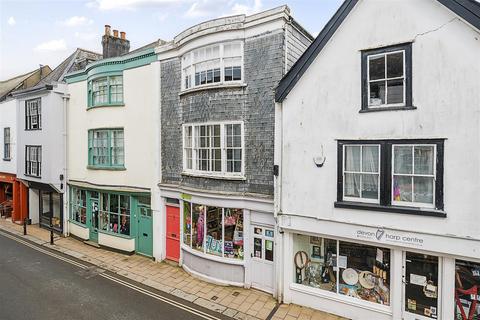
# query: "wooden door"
{"type": "Point", "coordinates": [173, 233]}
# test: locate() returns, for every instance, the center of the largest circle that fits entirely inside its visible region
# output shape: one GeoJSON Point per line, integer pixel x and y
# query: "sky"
{"type": "Point", "coordinates": [34, 32]}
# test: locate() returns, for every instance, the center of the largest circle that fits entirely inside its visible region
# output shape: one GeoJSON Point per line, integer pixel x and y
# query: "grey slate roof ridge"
{"type": "Point", "coordinates": [469, 10]}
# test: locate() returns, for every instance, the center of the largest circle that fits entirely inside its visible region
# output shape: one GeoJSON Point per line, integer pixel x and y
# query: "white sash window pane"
{"type": "Point", "coordinates": [395, 91]}
{"type": "Point", "coordinates": [370, 186]}
{"type": "Point", "coordinates": [117, 148]}
{"type": "Point", "coordinates": [377, 93]}
{"type": "Point", "coordinates": [116, 89]}
{"type": "Point", "coordinates": [423, 189]}
{"type": "Point", "coordinates": [352, 185]}
{"type": "Point", "coordinates": [377, 68]}
{"type": "Point", "coordinates": [403, 159]}
{"type": "Point", "coordinates": [424, 159]}
{"type": "Point", "coordinates": [352, 158]}
{"type": "Point", "coordinates": [395, 65]}
{"type": "Point", "coordinates": [370, 158]}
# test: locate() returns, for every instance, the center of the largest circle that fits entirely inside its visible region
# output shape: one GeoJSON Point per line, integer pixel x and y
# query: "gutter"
{"type": "Point", "coordinates": [47, 87]}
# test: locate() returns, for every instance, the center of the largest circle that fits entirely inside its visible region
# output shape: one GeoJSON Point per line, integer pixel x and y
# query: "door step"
{"type": "Point", "coordinates": [92, 243]}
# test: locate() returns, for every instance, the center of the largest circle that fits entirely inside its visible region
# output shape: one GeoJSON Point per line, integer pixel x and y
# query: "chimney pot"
{"type": "Point", "coordinates": [115, 33]}
{"type": "Point", "coordinates": [107, 30]}
{"type": "Point", "coordinates": [123, 35]}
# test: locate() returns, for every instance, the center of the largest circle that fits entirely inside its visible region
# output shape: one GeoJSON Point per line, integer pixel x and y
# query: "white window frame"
{"type": "Point", "coordinates": [434, 176]}
{"type": "Point", "coordinates": [7, 143]}
{"type": "Point", "coordinates": [190, 66]}
{"type": "Point", "coordinates": [33, 158]}
{"type": "Point", "coordinates": [29, 116]}
{"type": "Point", "coordinates": [223, 146]}
{"type": "Point", "coordinates": [344, 171]}
{"type": "Point", "coordinates": [386, 79]}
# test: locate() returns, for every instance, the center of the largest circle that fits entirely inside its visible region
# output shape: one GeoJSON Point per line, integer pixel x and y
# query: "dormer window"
{"type": "Point", "coordinates": [387, 75]}
{"type": "Point", "coordinates": [219, 63]}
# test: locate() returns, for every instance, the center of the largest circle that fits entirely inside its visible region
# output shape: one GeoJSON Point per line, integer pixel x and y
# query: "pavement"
{"type": "Point", "coordinates": [237, 303]}
{"type": "Point", "coordinates": [38, 284]}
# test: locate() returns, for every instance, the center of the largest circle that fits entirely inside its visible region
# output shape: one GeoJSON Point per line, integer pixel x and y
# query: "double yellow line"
{"type": "Point", "coordinates": [146, 292]}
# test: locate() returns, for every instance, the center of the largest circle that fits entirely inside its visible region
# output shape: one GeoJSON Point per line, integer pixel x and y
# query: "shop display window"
{"type": "Point", "coordinates": [350, 269]}
{"type": "Point", "coordinates": [78, 206]}
{"type": "Point", "coordinates": [213, 230]}
{"type": "Point", "coordinates": [421, 285]}
{"type": "Point", "coordinates": [115, 213]}
{"type": "Point", "coordinates": [467, 290]}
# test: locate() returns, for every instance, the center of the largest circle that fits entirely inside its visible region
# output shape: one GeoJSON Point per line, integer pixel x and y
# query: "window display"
{"type": "Point", "coordinates": [467, 290]}
{"type": "Point", "coordinates": [421, 284]}
{"type": "Point", "coordinates": [115, 213]}
{"type": "Point", "coordinates": [213, 230]}
{"type": "Point", "coordinates": [358, 270]}
{"type": "Point", "coordinates": [78, 206]}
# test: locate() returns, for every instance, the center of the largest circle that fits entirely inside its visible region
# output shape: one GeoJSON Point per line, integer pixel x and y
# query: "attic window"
{"type": "Point", "coordinates": [386, 78]}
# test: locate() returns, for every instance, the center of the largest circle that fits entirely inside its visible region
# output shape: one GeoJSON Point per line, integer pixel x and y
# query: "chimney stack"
{"type": "Point", "coordinates": [113, 46]}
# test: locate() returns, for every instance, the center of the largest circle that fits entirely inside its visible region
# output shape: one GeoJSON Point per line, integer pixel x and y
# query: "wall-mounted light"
{"type": "Point", "coordinates": [320, 159]}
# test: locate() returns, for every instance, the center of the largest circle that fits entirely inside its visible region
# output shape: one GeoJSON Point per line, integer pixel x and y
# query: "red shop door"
{"type": "Point", "coordinates": [173, 233]}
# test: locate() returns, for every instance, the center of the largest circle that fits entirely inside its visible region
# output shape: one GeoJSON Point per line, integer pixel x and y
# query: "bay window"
{"type": "Point", "coordinates": [213, 230]}
{"type": "Point", "coordinates": [105, 91]}
{"type": "Point", "coordinates": [213, 148]}
{"type": "Point", "coordinates": [115, 213]}
{"type": "Point", "coordinates": [106, 148]}
{"type": "Point", "coordinates": [218, 63]}
{"type": "Point", "coordinates": [391, 175]}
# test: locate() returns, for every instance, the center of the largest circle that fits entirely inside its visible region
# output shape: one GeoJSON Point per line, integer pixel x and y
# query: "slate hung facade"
{"type": "Point", "coordinates": [217, 144]}
{"type": "Point", "coordinates": [380, 222]}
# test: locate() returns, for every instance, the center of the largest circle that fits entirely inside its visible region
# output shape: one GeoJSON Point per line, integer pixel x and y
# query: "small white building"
{"type": "Point", "coordinates": [377, 135]}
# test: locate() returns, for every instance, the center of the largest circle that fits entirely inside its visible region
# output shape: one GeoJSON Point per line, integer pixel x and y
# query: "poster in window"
{"type": "Point", "coordinates": [467, 290]}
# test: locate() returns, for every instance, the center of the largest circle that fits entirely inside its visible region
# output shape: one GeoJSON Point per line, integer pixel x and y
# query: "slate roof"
{"type": "Point", "coordinates": [9, 85]}
{"type": "Point", "coordinates": [468, 10]}
{"type": "Point", "coordinates": [147, 46]}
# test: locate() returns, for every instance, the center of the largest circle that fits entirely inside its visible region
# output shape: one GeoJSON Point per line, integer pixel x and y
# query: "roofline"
{"type": "Point", "coordinates": [468, 10]}
{"type": "Point", "coordinates": [19, 93]}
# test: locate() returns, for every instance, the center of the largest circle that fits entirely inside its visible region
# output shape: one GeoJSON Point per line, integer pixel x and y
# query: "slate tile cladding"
{"type": "Point", "coordinates": [254, 104]}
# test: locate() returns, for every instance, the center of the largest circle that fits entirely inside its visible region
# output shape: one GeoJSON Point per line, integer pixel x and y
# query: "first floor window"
{"type": "Point", "coordinates": [6, 143]}
{"type": "Point", "coordinates": [33, 161]}
{"type": "Point", "coordinates": [105, 91]}
{"type": "Point", "coordinates": [78, 205]}
{"type": "Point", "coordinates": [345, 268]}
{"type": "Point", "coordinates": [106, 148]}
{"type": "Point", "coordinates": [467, 290]}
{"type": "Point", "coordinates": [33, 114]}
{"type": "Point", "coordinates": [213, 230]}
{"type": "Point", "coordinates": [114, 213]}
{"type": "Point", "coordinates": [392, 172]}
{"type": "Point", "coordinates": [214, 148]}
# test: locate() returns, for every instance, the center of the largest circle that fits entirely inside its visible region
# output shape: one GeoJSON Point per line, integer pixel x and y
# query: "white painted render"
{"type": "Point", "coordinates": [324, 106]}
{"type": "Point", "coordinates": [119, 243]}
{"type": "Point", "coordinates": [137, 117]}
{"type": "Point", "coordinates": [8, 119]}
{"type": "Point", "coordinates": [78, 231]}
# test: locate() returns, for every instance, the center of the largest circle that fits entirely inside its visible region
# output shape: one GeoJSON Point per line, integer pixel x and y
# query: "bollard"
{"type": "Point", "coordinates": [51, 234]}
{"type": "Point", "coordinates": [25, 226]}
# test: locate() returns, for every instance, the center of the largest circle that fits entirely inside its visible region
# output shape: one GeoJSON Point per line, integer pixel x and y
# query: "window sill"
{"type": "Point", "coordinates": [106, 106]}
{"type": "Point", "coordinates": [7, 159]}
{"type": "Point", "coordinates": [78, 223]}
{"type": "Point", "coordinates": [395, 209]}
{"type": "Point", "coordinates": [213, 257]}
{"type": "Point", "coordinates": [32, 176]}
{"type": "Point", "coordinates": [377, 109]}
{"type": "Point", "coordinates": [115, 234]}
{"type": "Point", "coordinates": [214, 176]}
{"type": "Point", "coordinates": [39, 129]}
{"type": "Point", "coordinates": [214, 86]}
{"type": "Point", "coordinates": [90, 167]}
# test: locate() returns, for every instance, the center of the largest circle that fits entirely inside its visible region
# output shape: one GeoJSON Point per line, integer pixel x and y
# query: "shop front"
{"type": "Point", "coordinates": [13, 198]}
{"type": "Point", "coordinates": [120, 220]}
{"type": "Point", "coordinates": [367, 273]}
{"type": "Point", "coordinates": [222, 240]}
{"type": "Point", "coordinates": [46, 206]}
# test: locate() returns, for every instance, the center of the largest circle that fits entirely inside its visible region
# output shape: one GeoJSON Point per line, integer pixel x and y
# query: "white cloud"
{"type": "Point", "coordinates": [130, 4]}
{"type": "Point", "coordinates": [51, 46]}
{"type": "Point", "coordinates": [11, 21]}
{"type": "Point", "coordinates": [247, 9]}
{"type": "Point", "coordinates": [77, 21]}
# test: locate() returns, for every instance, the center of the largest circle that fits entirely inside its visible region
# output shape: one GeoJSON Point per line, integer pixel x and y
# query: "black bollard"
{"type": "Point", "coordinates": [25, 226]}
{"type": "Point", "coordinates": [51, 234]}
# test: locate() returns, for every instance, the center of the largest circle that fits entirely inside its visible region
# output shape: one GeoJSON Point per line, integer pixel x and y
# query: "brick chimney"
{"type": "Point", "coordinates": [113, 46]}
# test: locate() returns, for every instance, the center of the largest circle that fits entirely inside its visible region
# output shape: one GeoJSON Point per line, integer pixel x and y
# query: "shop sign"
{"type": "Point", "coordinates": [390, 237]}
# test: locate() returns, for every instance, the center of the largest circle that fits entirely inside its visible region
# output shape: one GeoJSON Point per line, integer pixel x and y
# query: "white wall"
{"type": "Point", "coordinates": [139, 131]}
{"type": "Point", "coordinates": [33, 205]}
{"type": "Point", "coordinates": [324, 106]}
{"type": "Point", "coordinates": [8, 118]}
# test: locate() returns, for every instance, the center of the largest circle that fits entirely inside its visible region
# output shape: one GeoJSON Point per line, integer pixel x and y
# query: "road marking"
{"type": "Point", "coordinates": [156, 296]}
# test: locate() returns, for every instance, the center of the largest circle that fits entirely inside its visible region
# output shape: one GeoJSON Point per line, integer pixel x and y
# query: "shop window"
{"type": "Point", "coordinates": [391, 175]}
{"type": "Point", "coordinates": [358, 271]}
{"type": "Point", "coordinates": [33, 114]}
{"type": "Point", "coordinates": [213, 230]}
{"type": "Point", "coordinates": [50, 210]}
{"type": "Point", "coordinates": [106, 148]}
{"type": "Point", "coordinates": [387, 74]}
{"type": "Point", "coordinates": [421, 285]}
{"type": "Point", "coordinates": [115, 213]}
{"type": "Point", "coordinates": [78, 205]}
{"type": "Point", "coordinates": [213, 149]}
{"type": "Point", "coordinates": [212, 64]}
{"type": "Point", "coordinates": [467, 290]}
{"type": "Point", "coordinates": [105, 91]}
{"type": "Point", "coordinates": [33, 161]}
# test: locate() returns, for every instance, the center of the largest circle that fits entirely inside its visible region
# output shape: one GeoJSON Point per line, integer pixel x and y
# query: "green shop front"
{"type": "Point", "coordinates": [117, 219]}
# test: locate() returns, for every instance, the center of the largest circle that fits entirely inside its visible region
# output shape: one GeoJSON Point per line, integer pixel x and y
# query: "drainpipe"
{"type": "Point", "coordinates": [66, 198]}
{"type": "Point", "coordinates": [277, 200]}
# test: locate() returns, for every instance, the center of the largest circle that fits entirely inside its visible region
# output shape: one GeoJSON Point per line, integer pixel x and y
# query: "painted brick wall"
{"type": "Point", "coordinates": [254, 104]}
